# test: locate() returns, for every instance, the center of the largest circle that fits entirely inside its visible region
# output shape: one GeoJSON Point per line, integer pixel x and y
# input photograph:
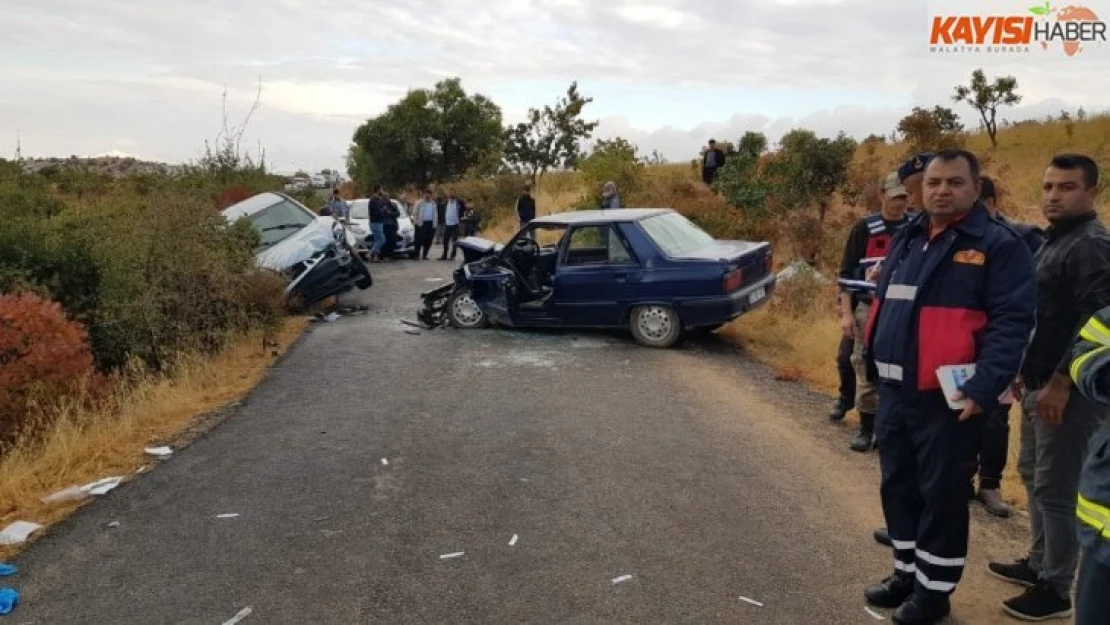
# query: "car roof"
{"type": "Point", "coordinates": [610, 215]}
{"type": "Point", "coordinates": [252, 205]}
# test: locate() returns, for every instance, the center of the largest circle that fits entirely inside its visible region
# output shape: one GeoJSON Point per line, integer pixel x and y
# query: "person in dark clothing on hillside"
{"type": "Point", "coordinates": [711, 161]}
{"type": "Point", "coordinates": [989, 460]}
{"type": "Point", "coordinates": [866, 246]}
{"type": "Point", "coordinates": [1073, 283]}
{"type": "Point", "coordinates": [526, 206]}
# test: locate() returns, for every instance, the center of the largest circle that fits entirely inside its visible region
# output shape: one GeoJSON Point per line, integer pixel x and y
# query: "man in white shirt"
{"type": "Point", "coordinates": [452, 214]}
{"type": "Point", "coordinates": [426, 218]}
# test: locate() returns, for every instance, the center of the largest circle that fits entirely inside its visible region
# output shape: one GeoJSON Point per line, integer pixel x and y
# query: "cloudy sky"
{"type": "Point", "coordinates": [145, 77]}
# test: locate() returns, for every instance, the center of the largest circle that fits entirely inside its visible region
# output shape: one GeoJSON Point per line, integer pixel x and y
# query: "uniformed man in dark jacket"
{"type": "Point", "coordinates": [1090, 371]}
{"type": "Point", "coordinates": [956, 290]}
{"type": "Point", "coordinates": [1073, 283]}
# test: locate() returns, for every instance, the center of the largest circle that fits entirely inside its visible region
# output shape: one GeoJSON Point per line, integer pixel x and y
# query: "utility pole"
{"type": "Point", "coordinates": [18, 148]}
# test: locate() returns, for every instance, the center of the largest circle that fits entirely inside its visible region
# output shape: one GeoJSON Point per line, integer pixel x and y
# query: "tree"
{"type": "Point", "coordinates": [551, 138]}
{"type": "Point", "coordinates": [926, 130]}
{"type": "Point", "coordinates": [612, 160]}
{"type": "Point", "coordinates": [740, 180]}
{"type": "Point", "coordinates": [987, 97]}
{"type": "Point", "coordinates": [429, 135]}
{"type": "Point", "coordinates": [807, 170]}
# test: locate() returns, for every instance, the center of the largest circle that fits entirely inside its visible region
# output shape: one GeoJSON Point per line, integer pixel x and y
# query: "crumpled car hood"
{"type": "Point", "coordinates": [304, 244]}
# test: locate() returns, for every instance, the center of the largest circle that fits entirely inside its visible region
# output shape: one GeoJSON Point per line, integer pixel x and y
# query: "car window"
{"type": "Point", "coordinates": [360, 209]}
{"type": "Point", "coordinates": [596, 245]}
{"type": "Point", "coordinates": [279, 221]}
{"type": "Point", "coordinates": [548, 236]}
{"type": "Point", "coordinates": [675, 235]}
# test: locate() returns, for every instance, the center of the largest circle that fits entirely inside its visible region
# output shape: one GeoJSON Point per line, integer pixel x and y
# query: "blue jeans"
{"type": "Point", "coordinates": [378, 230]}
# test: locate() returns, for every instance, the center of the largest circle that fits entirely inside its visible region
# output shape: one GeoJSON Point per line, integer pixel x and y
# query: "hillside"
{"type": "Point", "coordinates": [114, 166]}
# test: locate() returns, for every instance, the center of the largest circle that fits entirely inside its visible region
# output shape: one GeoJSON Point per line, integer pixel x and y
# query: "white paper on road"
{"type": "Point", "coordinates": [512, 541]}
{"type": "Point", "coordinates": [751, 601]}
{"type": "Point", "coordinates": [622, 578]}
{"type": "Point", "coordinates": [18, 532]}
{"type": "Point", "coordinates": [229, 515]}
{"type": "Point", "coordinates": [385, 462]}
{"type": "Point", "coordinates": [102, 487]}
{"type": "Point", "coordinates": [244, 613]}
{"type": "Point", "coordinates": [161, 452]}
{"type": "Point", "coordinates": [114, 524]}
{"type": "Point", "coordinates": [875, 614]}
{"type": "Point", "coordinates": [451, 555]}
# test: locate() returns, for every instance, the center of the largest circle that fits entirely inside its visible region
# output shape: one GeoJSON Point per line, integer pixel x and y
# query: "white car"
{"type": "Point", "coordinates": [316, 253]}
{"type": "Point", "coordinates": [360, 226]}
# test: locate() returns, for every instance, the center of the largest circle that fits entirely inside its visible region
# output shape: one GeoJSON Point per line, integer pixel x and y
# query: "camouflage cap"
{"type": "Point", "coordinates": [892, 185]}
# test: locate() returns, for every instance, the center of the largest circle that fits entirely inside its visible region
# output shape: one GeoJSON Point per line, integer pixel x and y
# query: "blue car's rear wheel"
{"type": "Point", "coordinates": [463, 311]}
{"type": "Point", "coordinates": [655, 326]}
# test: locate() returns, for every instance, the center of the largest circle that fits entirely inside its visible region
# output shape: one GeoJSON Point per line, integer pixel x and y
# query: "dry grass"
{"type": "Point", "coordinates": [84, 447]}
{"type": "Point", "coordinates": [555, 193]}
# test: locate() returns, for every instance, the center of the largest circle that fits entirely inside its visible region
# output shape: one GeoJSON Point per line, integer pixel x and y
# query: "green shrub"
{"type": "Point", "coordinates": [148, 265]}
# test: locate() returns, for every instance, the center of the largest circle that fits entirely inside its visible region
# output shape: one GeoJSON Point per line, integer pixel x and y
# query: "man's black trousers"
{"type": "Point", "coordinates": [847, 371]}
{"type": "Point", "coordinates": [924, 451]}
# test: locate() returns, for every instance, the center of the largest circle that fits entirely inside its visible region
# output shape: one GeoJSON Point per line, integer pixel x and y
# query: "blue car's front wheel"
{"type": "Point", "coordinates": [655, 326]}
{"type": "Point", "coordinates": [464, 312]}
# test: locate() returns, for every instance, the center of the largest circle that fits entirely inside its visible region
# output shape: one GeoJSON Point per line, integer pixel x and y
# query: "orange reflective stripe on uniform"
{"type": "Point", "coordinates": [1095, 515]}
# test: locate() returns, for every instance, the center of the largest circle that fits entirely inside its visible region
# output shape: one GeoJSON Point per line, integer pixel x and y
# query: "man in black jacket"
{"type": "Point", "coordinates": [711, 161]}
{"type": "Point", "coordinates": [1073, 283]}
{"type": "Point", "coordinates": [526, 206]}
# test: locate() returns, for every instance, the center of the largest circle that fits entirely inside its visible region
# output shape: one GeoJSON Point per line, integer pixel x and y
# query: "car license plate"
{"type": "Point", "coordinates": [757, 295]}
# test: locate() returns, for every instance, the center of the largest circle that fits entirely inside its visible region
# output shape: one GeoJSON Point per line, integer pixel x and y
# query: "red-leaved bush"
{"type": "Point", "coordinates": [45, 358]}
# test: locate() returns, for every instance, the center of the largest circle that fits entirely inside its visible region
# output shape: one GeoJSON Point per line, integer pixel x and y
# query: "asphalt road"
{"type": "Point", "coordinates": [689, 470]}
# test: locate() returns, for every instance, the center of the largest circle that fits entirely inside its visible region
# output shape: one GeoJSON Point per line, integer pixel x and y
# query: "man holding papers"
{"type": "Point", "coordinates": [956, 288]}
{"type": "Point", "coordinates": [867, 245]}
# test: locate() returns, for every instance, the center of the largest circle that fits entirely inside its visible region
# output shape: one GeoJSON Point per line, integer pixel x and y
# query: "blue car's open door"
{"type": "Point", "coordinates": [494, 291]}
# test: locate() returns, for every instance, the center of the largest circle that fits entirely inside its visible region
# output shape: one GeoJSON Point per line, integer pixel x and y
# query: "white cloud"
{"type": "Point", "coordinates": [147, 77]}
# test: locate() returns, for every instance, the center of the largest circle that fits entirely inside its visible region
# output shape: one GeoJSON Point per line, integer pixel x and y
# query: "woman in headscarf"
{"type": "Point", "coordinates": [609, 196]}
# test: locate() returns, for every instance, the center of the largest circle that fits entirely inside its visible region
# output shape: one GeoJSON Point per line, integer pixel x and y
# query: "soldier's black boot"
{"type": "Point", "coordinates": [865, 440]}
{"type": "Point", "coordinates": [840, 409]}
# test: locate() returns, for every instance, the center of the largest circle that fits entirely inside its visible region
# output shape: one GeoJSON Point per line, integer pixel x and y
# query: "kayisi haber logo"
{"type": "Point", "coordinates": [1045, 28]}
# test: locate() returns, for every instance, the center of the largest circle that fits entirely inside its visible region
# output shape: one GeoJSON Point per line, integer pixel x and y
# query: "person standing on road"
{"type": "Point", "coordinates": [337, 207]}
{"type": "Point", "coordinates": [957, 289]}
{"type": "Point", "coordinates": [711, 161]}
{"type": "Point", "coordinates": [376, 209]}
{"type": "Point", "coordinates": [390, 214]}
{"type": "Point", "coordinates": [1073, 283]}
{"type": "Point", "coordinates": [425, 218]}
{"type": "Point", "coordinates": [1090, 371]}
{"type": "Point", "coordinates": [989, 460]}
{"type": "Point", "coordinates": [453, 211]}
{"type": "Point", "coordinates": [867, 244]}
{"type": "Point", "coordinates": [526, 206]}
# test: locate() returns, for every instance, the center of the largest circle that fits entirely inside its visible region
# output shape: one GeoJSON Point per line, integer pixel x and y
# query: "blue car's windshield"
{"type": "Point", "coordinates": [675, 235]}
